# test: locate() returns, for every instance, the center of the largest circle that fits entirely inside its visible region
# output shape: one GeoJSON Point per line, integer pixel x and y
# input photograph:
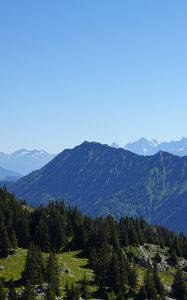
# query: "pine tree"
{"type": "Point", "coordinates": [142, 295]}
{"type": "Point", "coordinates": [132, 277]}
{"type": "Point", "coordinates": [114, 273]}
{"type": "Point", "coordinates": [73, 293]}
{"type": "Point", "coordinates": [133, 237]}
{"type": "Point", "coordinates": [2, 291]}
{"type": "Point", "coordinates": [28, 293]}
{"type": "Point", "coordinates": [103, 263]}
{"type": "Point", "coordinates": [123, 268]}
{"type": "Point", "coordinates": [173, 257]}
{"type": "Point", "coordinates": [120, 296]}
{"type": "Point", "coordinates": [53, 273]}
{"type": "Point", "coordinates": [93, 259]}
{"type": "Point", "coordinates": [85, 292]}
{"type": "Point", "coordinates": [4, 242]}
{"type": "Point", "coordinates": [34, 266]}
{"type": "Point", "coordinates": [176, 246]}
{"type": "Point", "coordinates": [50, 294]}
{"type": "Point", "coordinates": [178, 286]}
{"type": "Point", "coordinates": [14, 241]}
{"type": "Point", "coordinates": [11, 292]}
{"type": "Point", "coordinates": [158, 285]}
{"type": "Point", "coordinates": [150, 285]}
{"type": "Point", "coordinates": [42, 235]}
{"type": "Point", "coordinates": [158, 258]}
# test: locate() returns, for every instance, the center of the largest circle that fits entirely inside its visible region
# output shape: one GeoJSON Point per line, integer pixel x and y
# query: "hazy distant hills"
{"type": "Point", "coordinates": [147, 147]}
{"type": "Point", "coordinates": [102, 180]}
{"type": "Point", "coordinates": [25, 161]}
{"type": "Point", "coordinates": [8, 175]}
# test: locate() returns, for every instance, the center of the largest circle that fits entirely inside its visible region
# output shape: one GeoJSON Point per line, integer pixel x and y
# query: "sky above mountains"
{"type": "Point", "coordinates": [91, 70]}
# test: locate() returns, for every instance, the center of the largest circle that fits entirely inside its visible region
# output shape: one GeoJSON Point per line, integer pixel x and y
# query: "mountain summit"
{"type": "Point", "coordinates": [102, 180]}
{"type": "Point", "coordinates": [25, 161]}
{"type": "Point", "coordinates": [151, 147]}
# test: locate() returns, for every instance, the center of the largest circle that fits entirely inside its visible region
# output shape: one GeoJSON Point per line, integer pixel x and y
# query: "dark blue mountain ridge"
{"type": "Point", "coordinates": [102, 180]}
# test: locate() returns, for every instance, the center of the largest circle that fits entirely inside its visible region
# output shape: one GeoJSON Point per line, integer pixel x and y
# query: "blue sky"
{"type": "Point", "coordinates": [91, 70]}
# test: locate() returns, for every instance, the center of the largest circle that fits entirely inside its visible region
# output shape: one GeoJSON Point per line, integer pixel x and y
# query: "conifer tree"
{"type": "Point", "coordinates": [177, 247]}
{"type": "Point", "coordinates": [150, 285]}
{"type": "Point", "coordinates": [142, 295]}
{"type": "Point", "coordinates": [173, 257]}
{"type": "Point", "coordinates": [132, 279]}
{"type": "Point", "coordinates": [123, 268]}
{"type": "Point", "coordinates": [178, 286]}
{"type": "Point", "coordinates": [53, 274]}
{"type": "Point", "coordinates": [157, 282]}
{"type": "Point", "coordinates": [85, 292]}
{"type": "Point", "coordinates": [34, 266]}
{"type": "Point", "coordinates": [73, 293]}
{"type": "Point", "coordinates": [14, 241]}
{"type": "Point", "coordinates": [4, 241]}
{"type": "Point", "coordinates": [103, 263]}
{"type": "Point", "coordinates": [11, 292]}
{"type": "Point", "coordinates": [2, 291]}
{"type": "Point", "coordinates": [120, 296]}
{"type": "Point", "coordinates": [42, 235]}
{"type": "Point", "coordinates": [50, 294]}
{"type": "Point", "coordinates": [28, 293]}
{"type": "Point", "coordinates": [109, 295]}
{"type": "Point", "coordinates": [114, 273]}
{"type": "Point", "coordinates": [93, 258]}
{"type": "Point", "coordinates": [133, 237]}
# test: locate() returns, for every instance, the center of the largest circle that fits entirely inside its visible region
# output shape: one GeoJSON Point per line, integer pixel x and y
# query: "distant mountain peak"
{"type": "Point", "coordinates": [24, 161]}
{"type": "Point", "coordinates": [22, 152]}
{"type": "Point", "coordinates": [115, 145]}
{"type": "Point", "coordinates": [151, 147]}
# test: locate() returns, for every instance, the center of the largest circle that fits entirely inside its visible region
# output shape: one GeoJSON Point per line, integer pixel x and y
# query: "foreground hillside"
{"type": "Point", "coordinates": [55, 252]}
{"type": "Point", "coordinates": [73, 268]}
{"type": "Point", "coordinates": [102, 180]}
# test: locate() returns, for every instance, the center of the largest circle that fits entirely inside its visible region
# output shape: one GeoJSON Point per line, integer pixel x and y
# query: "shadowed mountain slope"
{"type": "Point", "coordinates": [102, 180]}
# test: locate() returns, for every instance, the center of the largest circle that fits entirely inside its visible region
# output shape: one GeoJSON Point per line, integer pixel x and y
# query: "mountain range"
{"type": "Point", "coordinates": [8, 175]}
{"type": "Point", "coordinates": [102, 180]}
{"type": "Point", "coordinates": [151, 147]}
{"type": "Point", "coordinates": [25, 161]}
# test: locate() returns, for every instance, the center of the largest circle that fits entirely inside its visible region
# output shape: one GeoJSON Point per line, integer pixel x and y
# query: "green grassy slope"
{"type": "Point", "coordinates": [73, 267]}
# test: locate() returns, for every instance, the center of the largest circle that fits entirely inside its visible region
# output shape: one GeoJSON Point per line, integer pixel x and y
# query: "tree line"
{"type": "Point", "coordinates": [58, 228]}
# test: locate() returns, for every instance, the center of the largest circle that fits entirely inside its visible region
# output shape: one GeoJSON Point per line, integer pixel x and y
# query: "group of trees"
{"type": "Point", "coordinates": [39, 274]}
{"type": "Point", "coordinates": [54, 228]}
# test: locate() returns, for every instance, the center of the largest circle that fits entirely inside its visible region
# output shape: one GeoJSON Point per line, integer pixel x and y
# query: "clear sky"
{"type": "Point", "coordinates": [97, 70]}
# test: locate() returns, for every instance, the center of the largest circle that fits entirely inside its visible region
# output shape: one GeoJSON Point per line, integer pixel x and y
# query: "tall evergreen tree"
{"type": "Point", "coordinates": [85, 291]}
{"type": "Point", "coordinates": [150, 285]}
{"type": "Point", "coordinates": [42, 237]}
{"type": "Point", "coordinates": [178, 286]}
{"type": "Point", "coordinates": [157, 282]}
{"type": "Point", "coordinates": [11, 291]}
{"type": "Point", "coordinates": [72, 292]}
{"type": "Point", "coordinates": [53, 274]}
{"type": "Point", "coordinates": [50, 294]}
{"type": "Point", "coordinates": [2, 291]}
{"type": "Point", "coordinates": [28, 293]}
{"type": "Point", "coordinates": [13, 239]}
{"type": "Point", "coordinates": [5, 244]}
{"type": "Point", "coordinates": [34, 266]}
{"type": "Point", "coordinates": [114, 273]}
